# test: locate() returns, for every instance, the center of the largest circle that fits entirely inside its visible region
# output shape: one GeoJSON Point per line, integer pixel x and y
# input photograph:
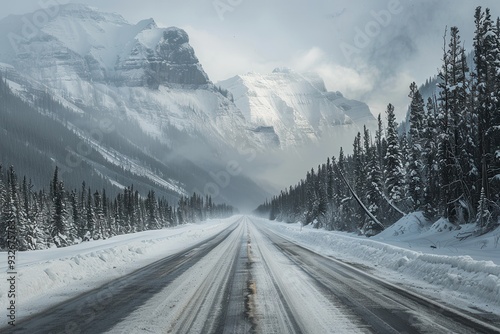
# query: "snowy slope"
{"type": "Point", "coordinates": [296, 106]}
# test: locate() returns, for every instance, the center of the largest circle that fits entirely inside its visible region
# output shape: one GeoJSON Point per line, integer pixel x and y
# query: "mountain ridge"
{"type": "Point", "coordinates": [297, 106]}
{"type": "Point", "coordinates": [148, 83]}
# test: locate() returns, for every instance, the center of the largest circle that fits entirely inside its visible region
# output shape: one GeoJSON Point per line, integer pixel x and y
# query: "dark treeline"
{"type": "Point", "coordinates": [445, 162]}
{"type": "Point", "coordinates": [44, 218]}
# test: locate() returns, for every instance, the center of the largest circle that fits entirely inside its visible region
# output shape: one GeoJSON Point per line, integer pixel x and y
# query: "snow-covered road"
{"type": "Point", "coordinates": [245, 278]}
{"type": "Point", "coordinates": [353, 291]}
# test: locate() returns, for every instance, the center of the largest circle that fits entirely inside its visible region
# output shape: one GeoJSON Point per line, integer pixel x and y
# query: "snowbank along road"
{"type": "Point", "coordinates": [247, 279]}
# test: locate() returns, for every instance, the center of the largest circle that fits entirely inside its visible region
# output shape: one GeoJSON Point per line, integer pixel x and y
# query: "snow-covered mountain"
{"type": "Point", "coordinates": [166, 113]}
{"type": "Point", "coordinates": [296, 109]}
{"type": "Point", "coordinates": [149, 74]}
{"type": "Point", "coordinates": [81, 42]}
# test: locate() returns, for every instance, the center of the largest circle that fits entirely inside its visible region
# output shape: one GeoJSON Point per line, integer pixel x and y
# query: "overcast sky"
{"type": "Point", "coordinates": [368, 50]}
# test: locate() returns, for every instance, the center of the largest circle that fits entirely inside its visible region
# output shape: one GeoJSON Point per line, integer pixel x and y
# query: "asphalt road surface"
{"type": "Point", "coordinates": [249, 280]}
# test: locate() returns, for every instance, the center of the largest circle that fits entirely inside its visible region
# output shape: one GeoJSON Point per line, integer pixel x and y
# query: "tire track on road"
{"type": "Point", "coordinates": [384, 306]}
{"type": "Point", "coordinates": [206, 298]}
{"type": "Point", "coordinates": [99, 310]}
{"type": "Point", "coordinates": [288, 301]}
{"type": "Point", "coordinates": [237, 317]}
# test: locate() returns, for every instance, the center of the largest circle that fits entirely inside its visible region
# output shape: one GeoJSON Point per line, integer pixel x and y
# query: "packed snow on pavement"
{"type": "Point", "coordinates": [428, 258]}
{"type": "Point", "coordinates": [50, 276]}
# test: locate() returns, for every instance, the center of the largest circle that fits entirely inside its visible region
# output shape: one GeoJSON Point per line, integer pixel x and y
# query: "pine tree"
{"type": "Point", "coordinates": [90, 231]}
{"type": "Point", "coordinates": [31, 233]}
{"type": "Point", "coordinates": [494, 129]}
{"type": "Point", "coordinates": [139, 212]}
{"type": "Point", "coordinates": [452, 98]}
{"type": "Point", "coordinates": [99, 217]}
{"type": "Point", "coordinates": [485, 92]}
{"type": "Point", "coordinates": [358, 167]}
{"type": "Point", "coordinates": [3, 222]}
{"type": "Point", "coordinates": [119, 214]}
{"type": "Point", "coordinates": [44, 216]}
{"type": "Point", "coordinates": [78, 224]}
{"type": "Point", "coordinates": [404, 148]}
{"type": "Point", "coordinates": [151, 210]}
{"type": "Point", "coordinates": [107, 219]}
{"type": "Point", "coordinates": [39, 236]}
{"type": "Point", "coordinates": [182, 211]}
{"type": "Point", "coordinates": [381, 143]}
{"type": "Point", "coordinates": [13, 214]}
{"type": "Point", "coordinates": [393, 173]}
{"type": "Point", "coordinates": [429, 157]}
{"type": "Point", "coordinates": [321, 186]}
{"type": "Point", "coordinates": [483, 212]}
{"type": "Point", "coordinates": [312, 197]}
{"type": "Point", "coordinates": [347, 208]}
{"type": "Point", "coordinates": [342, 191]}
{"type": "Point", "coordinates": [330, 180]}
{"type": "Point", "coordinates": [58, 224]}
{"type": "Point", "coordinates": [415, 143]}
{"type": "Point", "coordinates": [374, 186]}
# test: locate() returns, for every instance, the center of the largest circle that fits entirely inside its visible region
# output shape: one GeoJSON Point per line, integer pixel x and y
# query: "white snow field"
{"type": "Point", "coordinates": [286, 296]}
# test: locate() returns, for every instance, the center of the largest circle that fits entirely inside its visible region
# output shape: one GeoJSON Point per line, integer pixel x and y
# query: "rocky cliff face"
{"type": "Point", "coordinates": [297, 108]}
{"type": "Point", "coordinates": [170, 61]}
{"type": "Point", "coordinates": [101, 47]}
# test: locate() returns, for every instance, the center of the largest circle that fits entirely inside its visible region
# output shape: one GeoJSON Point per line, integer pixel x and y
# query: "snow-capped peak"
{"type": "Point", "coordinates": [297, 106]}
{"type": "Point", "coordinates": [80, 41]}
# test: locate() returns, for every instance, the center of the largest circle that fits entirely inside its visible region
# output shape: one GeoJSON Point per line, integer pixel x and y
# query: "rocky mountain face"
{"type": "Point", "coordinates": [296, 108]}
{"type": "Point", "coordinates": [148, 83]}
{"type": "Point", "coordinates": [141, 72]}
{"type": "Point", "coordinates": [101, 47]}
